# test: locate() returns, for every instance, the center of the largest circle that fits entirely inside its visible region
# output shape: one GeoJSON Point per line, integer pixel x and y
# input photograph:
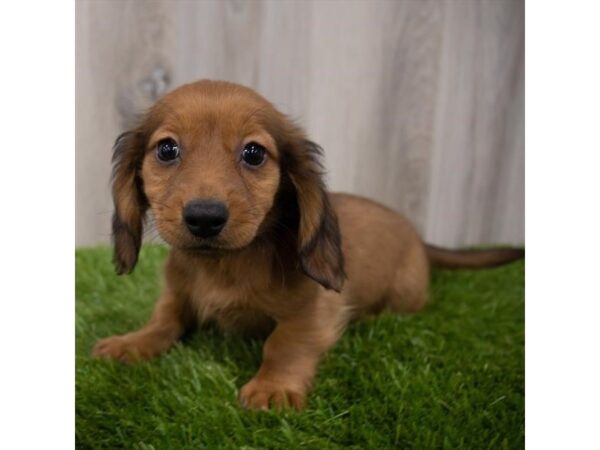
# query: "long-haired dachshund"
{"type": "Point", "coordinates": [257, 243]}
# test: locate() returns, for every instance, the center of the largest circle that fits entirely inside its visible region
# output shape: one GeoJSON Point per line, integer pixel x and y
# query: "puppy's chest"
{"type": "Point", "coordinates": [234, 306]}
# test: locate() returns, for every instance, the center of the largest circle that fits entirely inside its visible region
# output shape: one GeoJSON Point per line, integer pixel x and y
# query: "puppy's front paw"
{"type": "Point", "coordinates": [261, 394]}
{"type": "Point", "coordinates": [127, 348]}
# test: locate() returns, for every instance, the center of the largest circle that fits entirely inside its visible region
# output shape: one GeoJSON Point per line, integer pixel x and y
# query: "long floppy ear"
{"type": "Point", "coordinates": [319, 239]}
{"type": "Point", "coordinates": [129, 199]}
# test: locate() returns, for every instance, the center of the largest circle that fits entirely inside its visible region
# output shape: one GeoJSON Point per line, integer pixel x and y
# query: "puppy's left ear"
{"type": "Point", "coordinates": [129, 199]}
{"type": "Point", "coordinates": [319, 238]}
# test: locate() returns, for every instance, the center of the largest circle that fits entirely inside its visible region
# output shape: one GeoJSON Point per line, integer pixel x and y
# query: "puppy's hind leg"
{"type": "Point", "coordinates": [168, 323]}
{"type": "Point", "coordinates": [409, 289]}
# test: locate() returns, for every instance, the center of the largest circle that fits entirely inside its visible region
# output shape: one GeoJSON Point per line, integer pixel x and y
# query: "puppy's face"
{"type": "Point", "coordinates": [209, 160]}
{"type": "Point", "coordinates": [211, 168]}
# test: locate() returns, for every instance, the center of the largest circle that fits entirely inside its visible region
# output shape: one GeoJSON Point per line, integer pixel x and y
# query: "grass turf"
{"type": "Point", "coordinates": [449, 377]}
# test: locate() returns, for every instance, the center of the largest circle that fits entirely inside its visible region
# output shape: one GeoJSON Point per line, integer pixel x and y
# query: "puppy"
{"type": "Point", "coordinates": [257, 243]}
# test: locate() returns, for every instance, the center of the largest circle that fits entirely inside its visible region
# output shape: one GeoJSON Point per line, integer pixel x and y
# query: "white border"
{"type": "Point", "coordinates": [37, 224]}
{"type": "Point", "coordinates": [563, 224]}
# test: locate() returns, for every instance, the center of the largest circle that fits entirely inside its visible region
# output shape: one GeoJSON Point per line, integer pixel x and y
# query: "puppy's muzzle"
{"type": "Point", "coordinates": [205, 218]}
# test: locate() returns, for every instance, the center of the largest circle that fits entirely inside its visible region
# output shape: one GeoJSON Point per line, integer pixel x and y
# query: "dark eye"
{"type": "Point", "coordinates": [253, 154]}
{"type": "Point", "coordinates": [167, 150]}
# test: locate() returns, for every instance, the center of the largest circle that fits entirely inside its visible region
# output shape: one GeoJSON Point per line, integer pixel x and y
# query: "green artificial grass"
{"type": "Point", "coordinates": [449, 377]}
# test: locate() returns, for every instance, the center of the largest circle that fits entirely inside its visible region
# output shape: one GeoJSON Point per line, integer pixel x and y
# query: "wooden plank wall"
{"type": "Point", "coordinates": [418, 104]}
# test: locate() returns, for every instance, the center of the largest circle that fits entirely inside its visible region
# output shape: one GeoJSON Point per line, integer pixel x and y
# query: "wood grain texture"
{"type": "Point", "coordinates": [477, 170]}
{"type": "Point", "coordinates": [418, 104]}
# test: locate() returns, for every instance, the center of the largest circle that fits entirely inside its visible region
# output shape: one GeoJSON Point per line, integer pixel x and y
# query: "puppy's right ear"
{"type": "Point", "coordinates": [129, 199]}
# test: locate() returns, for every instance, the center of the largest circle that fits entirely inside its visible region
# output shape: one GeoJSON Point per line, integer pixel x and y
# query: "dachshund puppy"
{"type": "Point", "coordinates": [257, 243]}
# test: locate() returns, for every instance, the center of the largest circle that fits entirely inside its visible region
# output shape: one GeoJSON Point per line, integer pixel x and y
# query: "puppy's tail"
{"type": "Point", "coordinates": [472, 259]}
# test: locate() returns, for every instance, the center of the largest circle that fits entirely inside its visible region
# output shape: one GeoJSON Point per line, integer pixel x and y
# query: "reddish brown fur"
{"type": "Point", "coordinates": [280, 263]}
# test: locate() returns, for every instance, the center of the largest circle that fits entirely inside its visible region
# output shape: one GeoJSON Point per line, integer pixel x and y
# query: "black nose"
{"type": "Point", "coordinates": [205, 218]}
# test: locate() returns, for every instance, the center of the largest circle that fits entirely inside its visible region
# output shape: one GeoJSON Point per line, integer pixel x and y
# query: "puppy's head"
{"type": "Point", "coordinates": [210, 160]}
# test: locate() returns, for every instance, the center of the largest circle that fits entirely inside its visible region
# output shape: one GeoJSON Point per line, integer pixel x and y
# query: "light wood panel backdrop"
{"type": "Point", "coordinates": [418, 103]}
